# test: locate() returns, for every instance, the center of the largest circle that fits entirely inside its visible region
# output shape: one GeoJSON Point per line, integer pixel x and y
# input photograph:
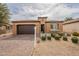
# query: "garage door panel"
{"type": "Point", "coordinates": [25, 29]}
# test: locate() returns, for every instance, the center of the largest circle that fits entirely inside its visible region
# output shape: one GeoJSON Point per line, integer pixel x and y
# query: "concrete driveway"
{"type": "Point", "coordinates": [17, 46]}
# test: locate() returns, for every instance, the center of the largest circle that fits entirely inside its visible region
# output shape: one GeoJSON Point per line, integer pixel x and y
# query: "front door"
{"type": "Point", "coordinates": [42, 28]}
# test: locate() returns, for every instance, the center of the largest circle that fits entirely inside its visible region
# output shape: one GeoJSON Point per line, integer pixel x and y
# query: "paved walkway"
{"type": "Point", "coordinates": [18, 45]}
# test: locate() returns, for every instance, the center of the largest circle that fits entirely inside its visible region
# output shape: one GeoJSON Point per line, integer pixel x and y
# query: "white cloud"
{"type": "Point", "coordinates": [53, 11]}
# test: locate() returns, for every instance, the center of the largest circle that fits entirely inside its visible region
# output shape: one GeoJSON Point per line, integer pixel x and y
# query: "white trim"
{"type": "Point", "coordinates": [34, 36]}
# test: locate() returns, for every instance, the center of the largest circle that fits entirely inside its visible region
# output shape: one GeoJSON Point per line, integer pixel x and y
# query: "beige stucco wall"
{"type": "Point", "coordinates": [72, 27]}
{"type": "Point", "coordinates": [60, 26]}
{"type": "Point", "coordinates": [47, 27]}
{"type": "Point", "coordinates": [37, 24]}
{"type": "Point", "coordinates": [42, 20]}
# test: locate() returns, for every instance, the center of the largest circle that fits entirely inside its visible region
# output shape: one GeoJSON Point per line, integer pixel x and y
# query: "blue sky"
{"type": "Point", "coordinates": [56, 11]}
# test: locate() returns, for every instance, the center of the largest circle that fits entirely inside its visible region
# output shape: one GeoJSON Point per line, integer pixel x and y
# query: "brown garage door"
{"type": "Point", "coordinates": [25, 29]}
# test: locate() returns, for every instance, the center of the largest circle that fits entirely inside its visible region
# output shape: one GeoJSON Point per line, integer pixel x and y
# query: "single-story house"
{"type": "Point", "coordinates": [41, 25]}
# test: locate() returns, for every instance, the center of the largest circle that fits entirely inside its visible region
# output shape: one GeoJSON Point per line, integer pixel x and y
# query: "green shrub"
{"type": "Point", "coordinates": [43, 38]}
{"type": "Point", "coordinates": [65, 38]}
{"type": "Point", "coordinates": [74, 40]}
{"type": "Point", "coordinates": [57, 37]}
{"type": "Point", "coordinates": [60, 33]}
{"type": "Point", "coordinates": [75, 34]}
{"type": "Point", "coordinates": [49, 37]}
{"type": "Point", "coordinates": [53, 35]}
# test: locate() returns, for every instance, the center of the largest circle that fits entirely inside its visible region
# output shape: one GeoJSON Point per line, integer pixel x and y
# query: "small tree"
{"type": "Point", "coordinates": [4, 14]}
{"type": "Point", "coordinates": [68, 18]}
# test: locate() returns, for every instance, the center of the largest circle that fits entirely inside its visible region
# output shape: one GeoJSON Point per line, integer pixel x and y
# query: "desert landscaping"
{"type": "Point", "coordinates": [54, 44]}
{"type": "Point", "coordinates": [57, 48]}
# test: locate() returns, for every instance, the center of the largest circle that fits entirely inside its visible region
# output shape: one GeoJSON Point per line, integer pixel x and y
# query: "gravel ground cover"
{"type": "Point", "coordinates": [56, 48]}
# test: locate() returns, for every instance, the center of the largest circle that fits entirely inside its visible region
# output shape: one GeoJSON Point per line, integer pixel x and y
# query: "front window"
{"type": "Point", "coordinates": [54, 26]}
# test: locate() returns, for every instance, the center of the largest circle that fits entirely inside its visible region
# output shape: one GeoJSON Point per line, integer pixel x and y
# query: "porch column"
{"type": "Point", "coordinates": [34, 36]}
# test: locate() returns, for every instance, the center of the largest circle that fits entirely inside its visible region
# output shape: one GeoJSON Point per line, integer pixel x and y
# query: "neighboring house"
{"type": "Point", "coordinates": [71, 26]}
{"type": "Point", "coordinates": [42, 25]}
